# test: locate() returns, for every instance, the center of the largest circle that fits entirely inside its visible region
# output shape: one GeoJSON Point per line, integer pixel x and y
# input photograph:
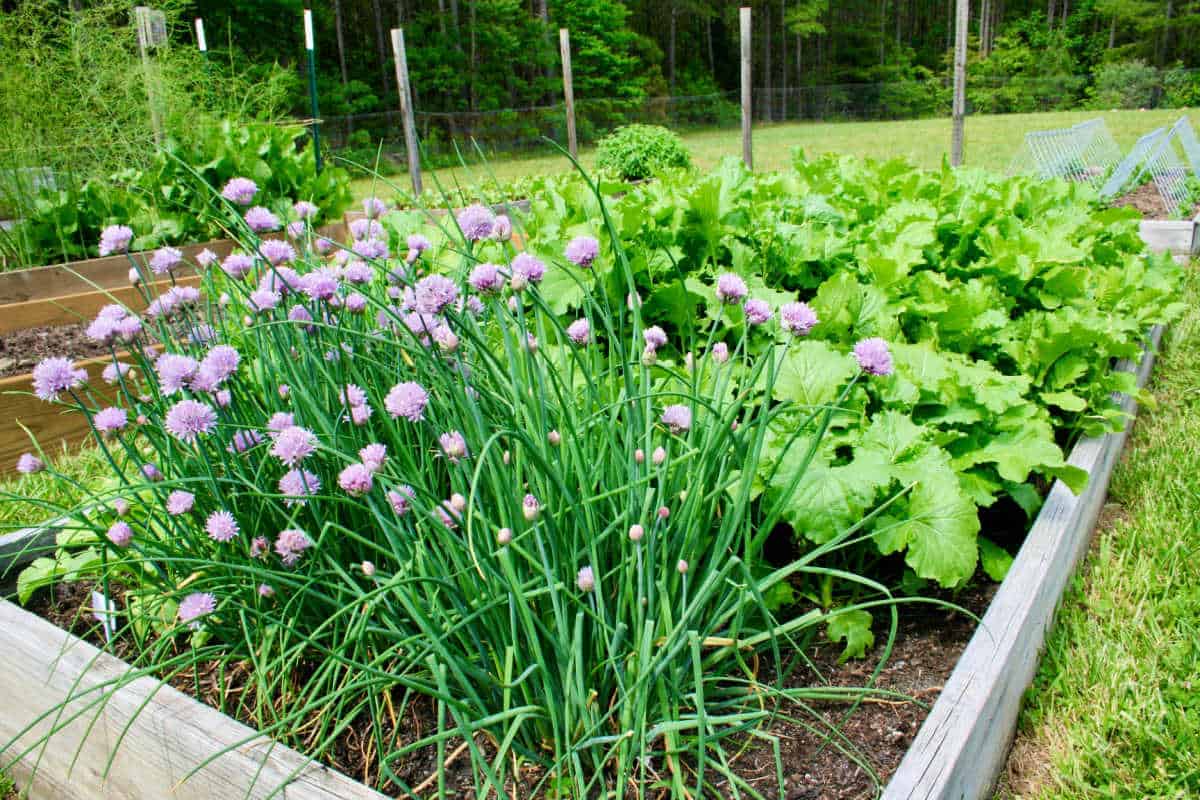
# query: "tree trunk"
{"type": "Point", "coordinates": [712, 61]}
{"type": "Point", "coordinates": [1166, 37]}
{"type": "Point", "coordinates": [442, 17]}
{"type": "Point", "coordinates": [783, 61]}
{"type": "Point", "coordinates": [1112, 33]}
{"type": "Point", "coordinates": [671, 49]}
{"type": "Point", "coordinates": [341, 40]}
{"type": "Point", "coordinates": [1050, 15]}
{"type": "Point", "coordinates": [799, 77]}
{"type": "Point", "coordinates": [985, 11]}
{"type": "Point", "coordinates": [472, 99]}
{"type": "Point", "coordinates": [384, 62]}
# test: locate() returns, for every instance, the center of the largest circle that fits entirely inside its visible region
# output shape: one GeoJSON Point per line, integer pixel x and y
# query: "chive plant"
{"type": "Point", "coordinates": [378, 483]}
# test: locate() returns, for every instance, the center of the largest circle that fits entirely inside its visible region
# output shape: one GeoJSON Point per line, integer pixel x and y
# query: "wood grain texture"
{"type": "Point", "coordinates": [72, 309]}
{"type": "Point", "coordinates": [154, 735]}
{"type": "Point", "coordinates": [963, 744]}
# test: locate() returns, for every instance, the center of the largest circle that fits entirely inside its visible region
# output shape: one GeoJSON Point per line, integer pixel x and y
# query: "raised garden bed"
{"type": "Point", "coordinates": [1158, 229]}
{"type": "Point", "coordinates": [167, 738]}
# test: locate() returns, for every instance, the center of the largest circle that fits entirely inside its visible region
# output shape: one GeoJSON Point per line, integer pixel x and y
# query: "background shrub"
{"type": "Point", "coordinates": [1125, 84]}
{"type": "Point", "coordinates": [639, 151]}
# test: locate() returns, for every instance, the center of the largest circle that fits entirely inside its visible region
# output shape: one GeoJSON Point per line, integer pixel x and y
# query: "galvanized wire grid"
{"type": "Point", "coordinates": [1132, 166]}
{"type": "Point", "coordinates": [1169, 170]}
{"type": "Point", "coordinates": [1083, 153]}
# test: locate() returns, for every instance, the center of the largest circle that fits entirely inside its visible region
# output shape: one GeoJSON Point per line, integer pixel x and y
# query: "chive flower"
{"type": "Point", "coordinates": [719, 352]}
{"type": "Point", "coordinates": [120, 534]}
{"type": "Point", "coordinates": [486, 279]}
{"type": "Point", "coordinates": [165, 260]}
{"type": "Point", "coordinates": [240, 191]}
{"type": "Point", "coordinates": [454, 446]}
{"type": "Point", "coordinates": [797, 318]}
{"type": "Point", "coordinates": [873, 356]}
{"type": "Point", "coordinates": [237, 265]}
{"type": "Point", "coordinates": [356, 480]}
{"type": "Point", "coordinates": [476, 222]}
{"type": "Point", "coordinates": [290, 545]}
{"type": "Point", "coordinates": [400, 499]}
{"type": "Point", "coordinates": [175, 372]}
{"type": "Point", "coordinates": [758, 312]}
{"type": "Point", "coordinates": [305, 210]}
{"type": "Point", "coordinates": [296, 484]}
{"type": "Point", "coordinates": [293, 445]}
{"type": "Point", "coordinates": [115, 239]}
{"type": "Point", "coordinates": [579, 331]}
{"type": "Point", "coordinates": [277, 252]}
{"type": "Point", "coordinates": [373, 207]}
{"type": "Point", "coordinates": [221, 526]}
{"type": "Point", "coordinates": [373, 456]}
{"type": "Point", "coordinates": [261, 220]}
{"type": "Point", "coordinates": [678, 418]}
{"type": "Point", "coordinates": [582, 251]}
{"type": "Point", "coordinates": [407, 400]}
{"type": "Point", "coordinates": [655, 337]}
{"type": "Point", "coordinates": [53, 376]}
{"type": "Point", "coordinates": [180, 502]}
{"type": "Point", "coordinates": [195, 606]}
{"type": "Point", "coordinates": [433, 294]}
{"type": "Point", "coordinates": [586, 579]}
{"type": "Point", "coordinates": [731, 288]}
{"type": "Point", "coordinates": [189, 419]}
{"type": "Point", "coordinates": [530, 508]}
{"type": "Point", "coordinates": [110, 421]}
{"type": "Point", "coordinates": [529, 268]}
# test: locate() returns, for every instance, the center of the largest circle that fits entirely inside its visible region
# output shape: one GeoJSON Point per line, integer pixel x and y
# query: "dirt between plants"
{"type": "Point", "coordinates": [21, 350]}
{"type": "Point", "coordinates": [1147, 200]}
{"type": "Point", "coordinates": [929, 641]}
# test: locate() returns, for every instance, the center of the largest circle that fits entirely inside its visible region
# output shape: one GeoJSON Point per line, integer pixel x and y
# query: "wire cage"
{"type": "Point", "coordinates": [1083, 153]}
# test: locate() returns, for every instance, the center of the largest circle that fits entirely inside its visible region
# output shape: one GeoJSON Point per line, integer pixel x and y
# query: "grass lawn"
{"type": "Point", "coordinates": [991, 142]}
{"type": "Point", "coordinates": [29, 499]}
{"type": "Point", "coordinates": [1115, 709]}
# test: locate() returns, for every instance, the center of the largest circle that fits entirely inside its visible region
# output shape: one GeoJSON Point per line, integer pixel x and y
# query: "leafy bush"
{"type": "Point", "coordinates": [1181, 88]}
{"type": "Point", "coordinates": [549, 526]}
{"type": "Point", "coordinates": [635, 152]}
{"type": "Point", "coordinates": [1125, 84]}
{"type": "Point", "coordinates": [169, 202]}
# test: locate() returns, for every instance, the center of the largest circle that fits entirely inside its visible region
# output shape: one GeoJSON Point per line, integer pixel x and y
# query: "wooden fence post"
{"type": "Point", "coordinates": [406, 109]}
{"type": "Point", "coordinates": [564, 47]}
{"type": "Point", "coordinates": [960, 83]}
{"type": "Point", "coordinates": [747, 77]}
{"type": "Point", "coordinates": [310, 46]}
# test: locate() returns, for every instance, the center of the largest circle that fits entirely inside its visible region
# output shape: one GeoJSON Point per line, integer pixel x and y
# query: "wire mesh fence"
{"type": "Point", "coordinates": [1168, 168]}
{"type": "Point", "coordinates": [1131, 168]}
{"type": "Point", "coordinates": [1083, 153]}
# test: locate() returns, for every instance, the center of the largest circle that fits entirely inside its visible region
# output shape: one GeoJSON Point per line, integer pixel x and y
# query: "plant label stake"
{"type": "Point", "coordinates": [201, 42]}
{"type": "Point", "coordinates": [406, 109]}
{"type": "Point", "coordinates": [104, 611]}
{"type": "Point", "coordinates": [312, 86]}
{"type": "Point", "coordinates": [564, 47]}
{"type": "Point", "coordinates": [151, 32]}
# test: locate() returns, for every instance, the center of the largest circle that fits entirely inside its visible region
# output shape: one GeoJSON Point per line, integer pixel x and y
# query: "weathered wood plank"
{"type": "Point", "coordinates": [73, 309]}
{"type": "Point", "coordinates": [163, 735]}
{"type": "Point", "coordinates": [964, 741]}
{"type": "Point", "coordinates": [1172, 236]}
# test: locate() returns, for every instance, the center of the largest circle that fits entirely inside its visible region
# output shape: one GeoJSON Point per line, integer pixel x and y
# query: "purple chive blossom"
{"type": "Point", "coordinates": [486, 279]}
{"type": "Point", "coordinates": [731, 288]}
{"type": "Point", "coordinates": [321, 284]}
{"type": "Point", "coordinates": [280, 421]}
{"type": "Point", "coordinates": [277, 252]}
{"type": "Point", "coordinates": [237, 265]}
{"type": "Point", "coordinates": [401, 499]}
{"type": "Point", "coordinates": [366, 229]}
{"type": "Point", "coordinates": [758, 312]}
{"type": "Point", "coordinates": [434, 293]}
{"type": "Point", "coordinates": [720, 352]}
{"type": "Point", "coordinates": [128, 328]}
{"type": "Point", "coordinates": [356, 303]}
{"type": "Point", "coordinates": [655, 337]}
{"type": "Point", "coordinates": [502, 228]}
{"type": "Point", "coordinates": [296, 229]}
{"type": "Point", "coordinates": [586, 579]}
{"type": "Point", "coordinates": [280, 279]}
{"type": "Point", "coordinates": [371, 249]}
{"type": "Point", "coordinates": [240, 191]}
{"type": "Point", "coordinates": [352, 395]}
{"type": "Point", "coordinates": [290, 544]}
{"type": "Point", "coordinates": [195, 606]}
{"type": "Point", "coordinates": [110, 421]}
{"type": "Point", "coordinates": [360, 414]}
{"type": "Point", "coordinates": [582, 251]}
{"type": "Point", "coordinates": [264, 299]}
{"type": "Point", "coordinates": [261, 220]}
{"type": "Point", "coordinates": [407, 400]}
{"type": "Point", "coordinates": [221, 526]}
{"type": "Point", "coordinates": [305, 210]}
{"type": "Point", "coordinates": [525, 270]}
{"type": "Point", "coordinates": [115, 239]}
{"type": "Point", "coordinates": [374, 207]}
{"type": "Point", "coordinates": [221, 362]}
{"type": "Point", "coordinates": [323, 245]}
{"type": "Point", "coordinates": [797, 318]}
{"type": "Point", "coordinates": [358, 273]}
{"type": "Point", "coordinates": [152, 473]}
{"type": "Point", "coordinates": [297, 484]}
{"type": "Point", "coordinates": [244, 440]}
{"type": "Point", "coordinates": [266, 590]}
{"type": "Point", "coordinates": [180, 502]}
{"type": "Point", "coordinates": [188, 419]}
{"type": "Point", "coordinates": [259, 547]}
{"type": "Point", "coordinates": [580, 331]}
{"type": "Point", "coordinates": [28, 464]}
{"type": "Point", "coordinates": [678, 418]}
{"type": "Point", "coordinates": [165, 260]}
{"type": "Point", "coordinates": [873, 356]}
{"type": "Point", "coordinates": [373, 456]}
{"type": "Point", "coordinates": [356, 479]}
{"type": "Point", "coordinates": [299, 313]}
{"type": "Point", "coordinates": [114, 372]}
{"type": "Point", "coordinates": [120, 534]}
{"type": "Point", "coordinates": [454, 446]}
{"type": "Point", "coordinates": [175, 372]}
{"type": "Point", "coordinates": [530, 508]}
{"type": "Point", "coordinates": [293, 445]}
{"type": "Point", "coordinates": [476, 222]}
{"type": "Point", "coordinates": [417, 244]}
{"type": "Point", "coordinates": [54, 375]}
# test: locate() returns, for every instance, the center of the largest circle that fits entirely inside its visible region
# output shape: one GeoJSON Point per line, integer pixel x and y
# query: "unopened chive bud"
{"type": "Point", "coordinates": [368, 569]}
{"type": "Point", "coordinates": [659, 456]}
{"type": "Point", "coordinates": [664, 512]}
{"type": "Point", "coordinates": [504, 536]}
{"type": "Point", "coordinates": [682, 566]}
{"type": "Point", "coordinates": [554, 437]}
{"type": "Point", "coordinates": [636, 532]}
{"type": "Point", "coordinates": [639, 455]}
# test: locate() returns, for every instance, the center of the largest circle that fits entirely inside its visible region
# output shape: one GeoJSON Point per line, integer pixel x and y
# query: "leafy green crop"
{"type": "Point", "coordinates": [636, 152]}
{"type": "Point", "coordinates": [1005, 301]}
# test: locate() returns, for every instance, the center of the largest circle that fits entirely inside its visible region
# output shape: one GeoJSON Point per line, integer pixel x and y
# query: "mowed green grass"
{"type": "Point", "coordinates": [1115, 709]}
{"type": "Point", "coordinates": [991, 142]}
{"type": "Point", "coordinates": [29, 499]}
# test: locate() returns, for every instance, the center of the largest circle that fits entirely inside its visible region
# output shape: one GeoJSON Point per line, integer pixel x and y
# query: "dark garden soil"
{"type": "Point", "coordinates": [21, 350]}
{"type": "Point", "coordinates": [928, 643]}
{"type": "Point", "coordinates": [1147, 200]}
